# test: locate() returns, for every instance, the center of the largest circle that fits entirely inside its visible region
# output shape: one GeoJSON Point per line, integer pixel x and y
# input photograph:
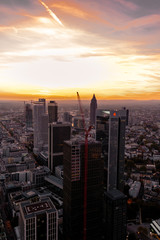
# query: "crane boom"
{"type": "Point", "coordinates": [85, 169]}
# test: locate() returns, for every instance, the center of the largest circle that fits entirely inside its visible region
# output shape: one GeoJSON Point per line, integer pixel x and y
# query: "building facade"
{"type": "Point", "coordinates": [38, 111]}
{"type": "Point", "coordinates": [93, 107]}
{"type": "Point", "coordinates": [44, 129]}
{"type": "Point", "coordinates": [38, 221]}
{"type": "Point", "coordinates": [73, 189]}
{"type": "Point", "coordinates": [116, 215]}
{"type": "Point", "coordinates": [28, 116]}
{"type": "Point", "coordinates": [57, 134]}
{"type": "Point", "coordinates": [67, 117]}
{"type": "Point", "coordinates": [110, 130]}
{"type": "Point", "coordinates": [52, 111]}
{"type": "Point", "coordinates": [43, 101]}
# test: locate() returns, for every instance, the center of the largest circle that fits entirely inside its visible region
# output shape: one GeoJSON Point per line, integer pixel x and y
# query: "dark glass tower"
{"type": "Point", "coordinates": [28, 116]}
{"type": "Point", "coordinates": [38, 111]}
{"type": "Point", "coordinates": [110, 130]}
{"type": "Point", "coordinates": [93, 107]}
{"type": "Point", "coordinates": [116, 215]}
{"type": "Point", "coordinates": [52, 111]}
{"type": "Point", "coordinates": [57, 134]}
{"type": "Point", "coordinates": [73, 199]}
{"type": "Point", "coordinates": [102, 134]}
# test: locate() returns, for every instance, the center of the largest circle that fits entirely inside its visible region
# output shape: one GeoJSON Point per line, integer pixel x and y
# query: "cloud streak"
{"type": "Point", "coordinates": [52, 14]}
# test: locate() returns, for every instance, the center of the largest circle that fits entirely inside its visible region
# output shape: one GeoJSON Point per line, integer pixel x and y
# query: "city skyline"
{"type": "Point", "coordinates": [55, 48]}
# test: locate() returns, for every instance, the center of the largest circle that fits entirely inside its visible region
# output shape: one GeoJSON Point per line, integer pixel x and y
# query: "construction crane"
{"type": "Point", "coordinates": [85, 168]}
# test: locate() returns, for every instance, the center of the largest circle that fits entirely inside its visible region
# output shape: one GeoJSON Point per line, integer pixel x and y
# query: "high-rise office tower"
{"type": "Point", "coordinates": [102, 134]}
{"type": "Point", "coordinates": [116, 215]}
{"type": "Point", "coordinates": [73, 190]}
{"type": "Point", "coordinates": [28, 116]}
{"type": "Point", "coordinates": [43, 100]}
{"type": "Point", "coordinates": [57, 134]}
{"type": "Point", "coordinates": [127, 122]}
{"type": "Point", "coordinates": [93, 107]}
{"type": "Point", "coordinates": [44, 128]}
{"type": "Point", "coordinates": [110, 130]}
{"type": "Point", "coordinates": [52, 111]}
{"type": "Point", "coordinates": [38, 220]}
{"type": "Point", "coordinates": [38, 111]}
{"type": "Point", "coordinates": [127, 116]}
{"type": "Point", "coordinates": [116, 148]}
{"type": "Point", "coordinates": [67, 117]}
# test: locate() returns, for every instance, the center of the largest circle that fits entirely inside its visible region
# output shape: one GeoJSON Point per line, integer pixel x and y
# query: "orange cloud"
{"type": "Point", "coordinates": [78, 10]}
{"type": "Point", "coordinates": [73, 9]}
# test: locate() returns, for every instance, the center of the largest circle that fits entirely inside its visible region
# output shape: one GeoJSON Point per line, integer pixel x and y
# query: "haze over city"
{"type": "Point", "coordinates": [79, 120]}
{"type": "Point", "coordinates": [55, 48]}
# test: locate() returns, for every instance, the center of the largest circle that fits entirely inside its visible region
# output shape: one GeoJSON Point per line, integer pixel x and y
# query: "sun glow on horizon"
{"type": "Point", "coordinates": [60, 47]}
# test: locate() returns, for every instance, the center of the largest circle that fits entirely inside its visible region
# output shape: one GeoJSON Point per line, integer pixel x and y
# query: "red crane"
{"type": "Point", "coordinates": [85, 168]}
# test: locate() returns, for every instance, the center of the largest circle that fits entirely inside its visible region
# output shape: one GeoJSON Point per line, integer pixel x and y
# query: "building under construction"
{"type": "Point", "coordinates": [74, 172]}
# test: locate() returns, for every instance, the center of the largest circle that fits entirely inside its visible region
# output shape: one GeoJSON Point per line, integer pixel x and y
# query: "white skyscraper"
{"type": "Point", "coordinates": [38, 111]}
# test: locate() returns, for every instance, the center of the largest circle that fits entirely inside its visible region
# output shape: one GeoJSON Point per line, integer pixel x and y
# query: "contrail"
{"type": "Point", "coordinates": [51, 13]}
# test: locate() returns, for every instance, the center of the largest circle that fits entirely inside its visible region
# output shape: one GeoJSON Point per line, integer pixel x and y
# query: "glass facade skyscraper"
{"type": "Point", "coordinates": [52, 111]}
{"type": "Point", "coordinates": [116, 215]}
{"type": "Point", "coordinates": [110, 130]}
{"type": "Point", "coordinates": [28, 116]}
{"type": "Point", "coordinates": [57, 134]}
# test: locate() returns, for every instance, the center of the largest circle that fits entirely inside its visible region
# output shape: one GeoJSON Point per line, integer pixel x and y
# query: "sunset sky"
{"type": "Point", "coordinates": [54, 48]}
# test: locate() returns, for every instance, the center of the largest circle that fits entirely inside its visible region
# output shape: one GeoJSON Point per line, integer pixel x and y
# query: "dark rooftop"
{"type": "Point", "coordinates": [32, 209]}
{"type": "Point", "coordinates": [37, 207]}
{"type": "Point", "coordinates": [115, 194]}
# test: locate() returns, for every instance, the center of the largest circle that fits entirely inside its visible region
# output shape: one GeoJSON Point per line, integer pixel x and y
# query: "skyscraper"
{"type": "Point", "coordinates": [67, 117]}
{"type": "Point", "coordinates": [116, 148]}
{"type": "Point", "coordinates": [28, 116]}
{"type": "Point", "coordinates": [43, 100]}
{"type": "Point", "coordinates": [38, 220]}
{"type": "Point", "coordinates": [102, 134]}
{"type": "Point", "coordinates": [57, 134]}
{"type": "Point", "coordinates": [38, 111]}
{"type": "Point", "coordinates": [127, 116]}
{"type": "Point", "coordinates": [116, 215]}
{"type": "Point", "coordinates": [73, 199]}
{"type": "Point", "coordinates": [93, 107]}
{"type": "Point", "coordinates": [110, 130]}
{"type": "Point", "coordinates": [52, 111]}
{"type": "Point", "coordinates": [44, 128]}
